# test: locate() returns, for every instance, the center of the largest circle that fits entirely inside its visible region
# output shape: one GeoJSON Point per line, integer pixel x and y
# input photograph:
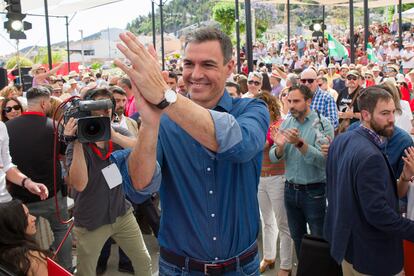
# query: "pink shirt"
{"type": "Point", "coordinates": [130, 107]}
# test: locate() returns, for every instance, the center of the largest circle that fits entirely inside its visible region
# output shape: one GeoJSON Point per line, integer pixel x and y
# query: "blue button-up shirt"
{"type": "Point", "coordinates": [325, 104]}
{"type": "Point", "coordinates": [209, 200]}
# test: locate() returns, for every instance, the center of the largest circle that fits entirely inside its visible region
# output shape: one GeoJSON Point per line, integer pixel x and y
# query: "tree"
{"type": "Point", "coordinates": [42, 57]}
{"type": "Point", "coordinates": [24, 62]}
{"type": "Point", "coordinates": [224, 13]}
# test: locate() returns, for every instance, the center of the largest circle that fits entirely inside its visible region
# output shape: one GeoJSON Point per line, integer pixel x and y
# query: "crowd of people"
{"type": "Point", "coordinates": [305, 143]}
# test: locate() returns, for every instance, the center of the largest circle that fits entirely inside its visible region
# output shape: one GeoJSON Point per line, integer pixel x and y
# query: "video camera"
{"type": "Point", "coordinates": [90, 128]}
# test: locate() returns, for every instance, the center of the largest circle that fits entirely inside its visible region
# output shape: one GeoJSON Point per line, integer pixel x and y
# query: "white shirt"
{"type": "Point", "coordinates": [5, 162]}
{"type": "Point", "coordinates": [410, 63]}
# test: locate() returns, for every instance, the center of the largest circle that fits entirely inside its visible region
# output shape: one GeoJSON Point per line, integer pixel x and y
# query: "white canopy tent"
{"type": "Point", "coordinates": [409, 14]}
{"type": "Point", "coordinates": [62, 7]}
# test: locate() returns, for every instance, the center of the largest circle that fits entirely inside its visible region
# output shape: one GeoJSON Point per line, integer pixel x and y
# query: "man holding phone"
{"type": "Point", "coordinates": [299, 142]}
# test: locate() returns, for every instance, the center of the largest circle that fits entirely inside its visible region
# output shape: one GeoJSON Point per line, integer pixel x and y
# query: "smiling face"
{"type": "Point", "coordinates": [205, 73]}
{"type": "Point", "coordinates": [12, 110]}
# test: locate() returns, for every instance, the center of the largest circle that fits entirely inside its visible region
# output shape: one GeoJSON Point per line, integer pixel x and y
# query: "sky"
{"type": "Point", "coordinates": [115, 15]}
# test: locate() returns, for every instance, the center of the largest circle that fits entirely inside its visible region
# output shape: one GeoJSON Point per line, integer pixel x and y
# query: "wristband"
{"type": "Point", "coordinates": [24, 182]}
{"type": "Point", "coordinates": [299, 144]}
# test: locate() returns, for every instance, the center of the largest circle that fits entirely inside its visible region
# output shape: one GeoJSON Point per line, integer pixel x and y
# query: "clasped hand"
{"type": "Point", "coordinates": [283, 136]}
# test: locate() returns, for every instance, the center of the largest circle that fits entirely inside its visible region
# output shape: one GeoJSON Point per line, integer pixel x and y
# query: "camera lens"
{"type": "Point", "coordinates": [93, 128]}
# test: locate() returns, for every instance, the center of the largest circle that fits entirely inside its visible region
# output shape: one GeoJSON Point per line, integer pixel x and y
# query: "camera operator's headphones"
{"type": "Point", "coordinates": [90, 95]}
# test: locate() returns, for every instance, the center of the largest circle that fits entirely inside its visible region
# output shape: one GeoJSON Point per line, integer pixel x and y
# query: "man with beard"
{"type": "Point", "coordinates": [121, 100]}
{"type": "Point", "coordinates": [363, 214]}
{"type": "Point", "coordinates": [298, 142]}
{"type": "Point", "coordinates": [339, 83]}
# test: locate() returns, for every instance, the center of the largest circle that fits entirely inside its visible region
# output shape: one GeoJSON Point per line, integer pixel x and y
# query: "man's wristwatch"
{"type": "Point", "coordinates": [170, 97]}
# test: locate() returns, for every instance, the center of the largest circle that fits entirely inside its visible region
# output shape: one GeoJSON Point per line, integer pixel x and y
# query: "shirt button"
{"type": "Point", "coordinates": [210, 192]}
{"type": "Point", "coordinates": [208, 169]}
{"type": "Point", "coordinates": [214, 238]}
{"type": "Point", "coordinates": [213, 215]}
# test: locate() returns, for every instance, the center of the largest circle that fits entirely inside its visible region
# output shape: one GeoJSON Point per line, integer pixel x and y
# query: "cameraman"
{"type": "Point", "coordinates": [101, 210]}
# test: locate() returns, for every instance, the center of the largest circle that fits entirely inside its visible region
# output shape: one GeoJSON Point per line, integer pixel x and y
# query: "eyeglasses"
{"type": "Point", "coordinates": [256, 83]}
{"type": "Point", "coordinates": [310, 81]}
{"type": "Point", "coordinates": [354, 78]}
{"type": "Point", "coordinates": [8, 109]}
{"type": "Point", "coordinates": [368, 77]}
{"type": "Point", "coordinates": [320, 84]}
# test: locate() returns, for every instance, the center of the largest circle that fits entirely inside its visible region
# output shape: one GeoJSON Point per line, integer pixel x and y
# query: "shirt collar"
{"type": "Point", "coordinates": [34, 113]}
{"type": "Point", "coordinates": [375, 137]}
{"type": "Point", "coordinates": [225, 103]}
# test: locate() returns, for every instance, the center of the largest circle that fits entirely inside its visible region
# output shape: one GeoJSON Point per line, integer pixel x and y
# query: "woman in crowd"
{"type": "Point", "coordinates": [254, 83]}
{"type": "Point", "coordinates": [271, 199]}
{"type": "Point", "coordinates": [19, 253]}
{"type": "Point", "coordinates": [41, 75]}
{"type": "Point", "coordinates": [284, 102]}
{"type": "Point", "coordinates": [11, 108]}
{"type": "Point", "coordinates": [9, 91]}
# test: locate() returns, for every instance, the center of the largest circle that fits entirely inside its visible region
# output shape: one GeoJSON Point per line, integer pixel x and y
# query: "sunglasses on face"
{"type": "Point", "coordinates": [310, 81]}
{"type": "Point", "coordinates": [256, 83]}
{"type": "Point", "coordinates": [8, 109]}
{"type": "Point", "coordinates": [351, 78]}
{"type": "Point", "coordinates": [320, 84]}
{"type": "Point", "coordinates": [368, 77]}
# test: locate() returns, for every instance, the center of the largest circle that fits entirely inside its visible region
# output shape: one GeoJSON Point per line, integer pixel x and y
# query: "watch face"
{"type": "Point", "coordinates": [170, 96]}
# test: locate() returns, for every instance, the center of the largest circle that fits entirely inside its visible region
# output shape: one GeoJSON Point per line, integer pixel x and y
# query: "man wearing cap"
{"type": "Point", "coordinates": [339, 83]}
{"type": "Point", "coordinates": [348, 96]}
{"type": "Point", "coordinates": [392, 71]}
{"type": "Point", "coordinates": [377, 77]}
{"type": "Point", "coordinates": [407, 57]}
{"type": "Point", "coordinates": [275, 79]}
{"type": "Point", "coordinates": [322, 102]}
{"type": "Point", "coordinates": [331, 75]}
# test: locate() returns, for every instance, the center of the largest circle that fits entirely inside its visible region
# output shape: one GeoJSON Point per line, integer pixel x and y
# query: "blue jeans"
{"type": "Point", "coordinates": [305, 207]}
{"type": "Point", "coordinates": [168, 269]}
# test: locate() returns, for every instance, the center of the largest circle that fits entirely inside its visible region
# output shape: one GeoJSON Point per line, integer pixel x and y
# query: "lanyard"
{"type": "Point", "coordinates": [97, 151]}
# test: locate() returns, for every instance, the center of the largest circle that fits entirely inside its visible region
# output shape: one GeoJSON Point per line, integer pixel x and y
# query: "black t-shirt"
{"type": "Point", "coordinates": [31, 149]}
{"type": "Point", "coordinates": [345, 99]}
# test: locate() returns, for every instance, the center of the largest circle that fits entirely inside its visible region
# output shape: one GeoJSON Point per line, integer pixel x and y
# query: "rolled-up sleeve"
{"type": "Point", "coordinates": [272, 154]}
{"type": "Point", "coordinates": [120, 158]}
{"type": "Point", "coordinates": [241, 138]}
{"type": "Point", "coordinates": [6, 160]}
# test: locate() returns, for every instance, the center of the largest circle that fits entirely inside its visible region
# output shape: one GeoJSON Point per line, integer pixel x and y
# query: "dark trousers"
{"type": "Point", "coordinates": [150, 212]}
{"type": "Point", "coordinates": [305, 207]}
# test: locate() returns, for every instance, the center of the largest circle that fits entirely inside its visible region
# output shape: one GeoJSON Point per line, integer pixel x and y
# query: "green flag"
{"type": "Point", "coordinates": [336, 49]}
{"type": "Point", "coordinates": [370, 53]}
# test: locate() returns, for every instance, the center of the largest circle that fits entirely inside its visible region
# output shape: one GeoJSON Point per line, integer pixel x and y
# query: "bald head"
{"type": "Point", "coordinates": [308, 78]}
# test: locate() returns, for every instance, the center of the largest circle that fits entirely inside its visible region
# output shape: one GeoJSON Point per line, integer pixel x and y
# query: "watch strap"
{"type": "Point", "coordinates": [163, 104]}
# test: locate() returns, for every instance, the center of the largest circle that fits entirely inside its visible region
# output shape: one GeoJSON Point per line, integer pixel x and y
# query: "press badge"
{"type": "Point", "coordinates": [112, 176]}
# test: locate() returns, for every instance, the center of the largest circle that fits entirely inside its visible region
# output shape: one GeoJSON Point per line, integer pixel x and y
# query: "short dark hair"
{"type": "Point", "coordinates": [118, 90]}
{"type": "Point", "coordinates": [235, 85]}
{"type": "Point", "coordinates": [103, 92]}
{"type": "Point", "coordinates": [303, 89]}
{"type": "Point", "coordinates": [212, 34]}
{"type": "Point", "coordinates": [173, 75]}
{"type": "Point", "coordinates": [37, 92]}
{"type": "Point", "coordinates": [126, 82]}
{"type": "Point", "coordinates": [370, 96]}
